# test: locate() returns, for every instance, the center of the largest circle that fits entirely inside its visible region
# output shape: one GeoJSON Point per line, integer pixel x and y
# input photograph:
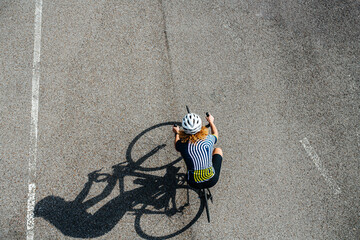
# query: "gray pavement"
{"type": "Point", "coordinates": [115, 75]}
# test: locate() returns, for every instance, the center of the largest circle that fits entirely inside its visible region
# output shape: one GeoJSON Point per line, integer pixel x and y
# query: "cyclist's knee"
{"type": "Point", "coordinates": [218, 151]}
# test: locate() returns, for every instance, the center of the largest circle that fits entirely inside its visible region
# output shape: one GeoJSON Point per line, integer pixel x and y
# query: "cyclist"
{"type": "Point", "coordinates": [196, 146]}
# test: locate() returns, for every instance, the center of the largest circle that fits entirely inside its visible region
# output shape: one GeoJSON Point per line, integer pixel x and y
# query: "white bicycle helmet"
{"type": "Point", "coordinates": [191, 123]}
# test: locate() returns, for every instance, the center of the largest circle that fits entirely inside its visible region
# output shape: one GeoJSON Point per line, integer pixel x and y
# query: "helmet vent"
{"type": "Point", "coordinates": [191, 123]}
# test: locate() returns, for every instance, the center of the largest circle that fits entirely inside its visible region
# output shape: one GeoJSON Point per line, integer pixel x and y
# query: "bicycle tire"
{"type": "Point", "coordinates": [206, 205]}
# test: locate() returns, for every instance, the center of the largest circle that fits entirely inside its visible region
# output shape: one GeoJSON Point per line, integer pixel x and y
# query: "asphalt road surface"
{"type": "Point", "coordinates": [88, 152]}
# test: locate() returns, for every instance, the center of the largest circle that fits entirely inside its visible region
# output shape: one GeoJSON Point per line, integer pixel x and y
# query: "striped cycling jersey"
{"type": "Point", "coordinates": [198, 158]}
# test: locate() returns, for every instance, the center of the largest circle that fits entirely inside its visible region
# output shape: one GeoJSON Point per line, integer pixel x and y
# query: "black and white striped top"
{"type": "Point", "coordinates": [198, 156]}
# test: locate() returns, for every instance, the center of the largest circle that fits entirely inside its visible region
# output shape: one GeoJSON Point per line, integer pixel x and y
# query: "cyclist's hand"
{"type": "Point", "coordinates": [176, 129]}
{"type": "Point", "coordinates": [210, 118]}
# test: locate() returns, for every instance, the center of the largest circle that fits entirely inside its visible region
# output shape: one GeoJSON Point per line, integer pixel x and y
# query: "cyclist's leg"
{"type": "Point", "coordinates": [218, 151]}
{"type": "Point", "coordinates": [217, 160]}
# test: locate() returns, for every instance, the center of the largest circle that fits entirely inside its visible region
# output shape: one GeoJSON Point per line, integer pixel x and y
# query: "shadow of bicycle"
{"type": "Point", "coordinates": [164, 206]}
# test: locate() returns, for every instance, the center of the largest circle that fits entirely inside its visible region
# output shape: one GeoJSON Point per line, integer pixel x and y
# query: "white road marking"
{"type": "Point", "coordinates": [34, 121]}
{"type": "Point", "coordinates": [30, 211]}
{"type": "Point", "coordinates": [320, 166]}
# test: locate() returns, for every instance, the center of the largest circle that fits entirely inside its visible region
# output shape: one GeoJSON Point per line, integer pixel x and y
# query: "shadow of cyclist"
{"type": "Point", "coordinates": [154, 192]}
{"type": "Point", "coordinates": [72, 218]}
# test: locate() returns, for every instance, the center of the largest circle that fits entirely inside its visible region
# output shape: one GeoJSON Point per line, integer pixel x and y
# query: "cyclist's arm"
{"type": "Point", "coordinates": [177, 137]}
{"type": "Point", "coordinates": [214, 130]}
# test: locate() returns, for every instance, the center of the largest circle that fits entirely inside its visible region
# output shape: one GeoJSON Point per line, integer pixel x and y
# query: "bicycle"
{"type": "Point", "coordinates": [204, 193]}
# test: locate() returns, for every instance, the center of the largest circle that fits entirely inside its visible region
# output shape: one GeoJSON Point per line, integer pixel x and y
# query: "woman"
{"type": "Point", "coordinates": [196, 146]}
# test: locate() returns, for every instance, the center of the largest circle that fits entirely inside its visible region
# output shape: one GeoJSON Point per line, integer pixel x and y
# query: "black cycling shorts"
{"type": "Point", "coordinates": [216, 160]}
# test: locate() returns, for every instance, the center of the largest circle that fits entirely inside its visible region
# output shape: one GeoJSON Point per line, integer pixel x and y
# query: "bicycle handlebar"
{"type": "Point", "coordinates": [207, 114]}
